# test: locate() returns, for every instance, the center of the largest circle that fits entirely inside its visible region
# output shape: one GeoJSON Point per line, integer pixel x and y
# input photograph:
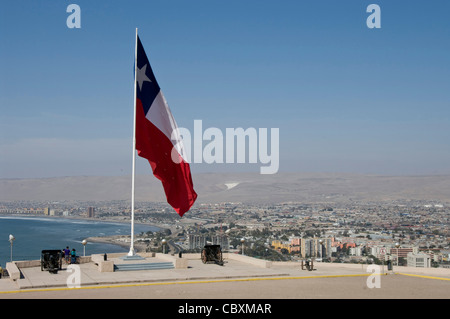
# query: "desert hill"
{"type": "Point", "coordinates": [234, 187]}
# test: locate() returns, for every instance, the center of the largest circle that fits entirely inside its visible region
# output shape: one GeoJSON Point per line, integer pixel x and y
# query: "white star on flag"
{"type": "Point", "coordinates": [141, 77]}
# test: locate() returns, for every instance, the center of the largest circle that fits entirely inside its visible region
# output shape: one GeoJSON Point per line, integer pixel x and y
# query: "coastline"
{"type": "Point", "coordinates": [118, 240]}
{"type": "Point", "coordinates": [159, 228]}
{"type": "Point", "coordinates": [122, 241]}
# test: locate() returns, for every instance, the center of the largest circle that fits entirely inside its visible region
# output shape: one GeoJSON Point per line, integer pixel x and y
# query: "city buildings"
{"type": "Point", "coordinates": [306, 247]}
{"type": "Point", "coordinates": [196, 241]}
{"type": "Point", "coordinates": [338, 232]}
{"type": "Point", "coordinates": [91, 212]}
{"type": "Point", "coordinates": [221, 240]}
{"type": "Point", "coordinates": [418, 260]}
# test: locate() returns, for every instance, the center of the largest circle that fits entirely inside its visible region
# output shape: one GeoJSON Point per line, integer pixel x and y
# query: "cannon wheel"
{"type": "Point", "coordinates": [204, 257]}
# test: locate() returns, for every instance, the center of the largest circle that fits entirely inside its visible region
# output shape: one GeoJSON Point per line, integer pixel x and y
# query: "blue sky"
{"type": "Point", "coordinates": [346, 98]}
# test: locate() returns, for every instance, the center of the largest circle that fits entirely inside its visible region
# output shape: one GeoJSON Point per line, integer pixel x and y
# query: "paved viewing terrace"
{"type": "Point", "coordinates": [239, 277]}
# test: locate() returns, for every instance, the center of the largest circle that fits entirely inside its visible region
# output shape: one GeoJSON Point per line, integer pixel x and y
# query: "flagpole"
{"type": "Point", "coordinates": [132, 252]}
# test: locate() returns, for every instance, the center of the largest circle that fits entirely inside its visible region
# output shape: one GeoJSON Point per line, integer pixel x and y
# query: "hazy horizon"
{"type": "Point", "coordinates": [244, 172]}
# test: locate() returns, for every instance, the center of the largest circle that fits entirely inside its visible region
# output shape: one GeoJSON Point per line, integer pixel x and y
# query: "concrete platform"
{"type": "Point", "coordinates": [237, 269]}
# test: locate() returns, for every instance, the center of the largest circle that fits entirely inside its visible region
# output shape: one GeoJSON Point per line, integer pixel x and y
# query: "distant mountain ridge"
{"type": "Point", "coordinates": [236, 187]}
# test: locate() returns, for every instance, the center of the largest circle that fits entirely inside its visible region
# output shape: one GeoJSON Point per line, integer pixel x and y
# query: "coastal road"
{"type": "Point", "coordinates": [174, 248]}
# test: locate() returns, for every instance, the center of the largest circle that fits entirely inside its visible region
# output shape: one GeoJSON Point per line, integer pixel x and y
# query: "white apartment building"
{"type": "Point", "coordinates": [418, 260]}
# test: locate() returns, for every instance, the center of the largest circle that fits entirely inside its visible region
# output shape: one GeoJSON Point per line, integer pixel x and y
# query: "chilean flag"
{"type": "Point", "coordinates": [157, 137]}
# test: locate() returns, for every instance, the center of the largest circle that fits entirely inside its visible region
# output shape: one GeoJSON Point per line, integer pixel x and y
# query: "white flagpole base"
{"type": "Point", "coordinates": [131, 252]}
{"type": "Point", "coordinates": [132, 256]}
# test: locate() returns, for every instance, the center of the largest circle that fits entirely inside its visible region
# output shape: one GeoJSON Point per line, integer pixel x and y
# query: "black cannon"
{"type": "Point", "coordinates": [212, 254]}
{"type": "Point", "coordinates": [309, 265]}
{"type": "Point", "coordinates": [51, 260]}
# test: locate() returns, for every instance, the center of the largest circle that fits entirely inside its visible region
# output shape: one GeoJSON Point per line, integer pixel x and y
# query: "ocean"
{"type": "Point", "coordinates": [34, 234]}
